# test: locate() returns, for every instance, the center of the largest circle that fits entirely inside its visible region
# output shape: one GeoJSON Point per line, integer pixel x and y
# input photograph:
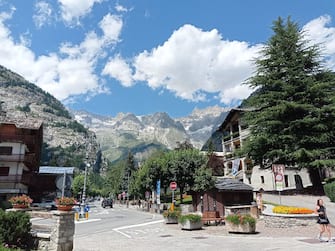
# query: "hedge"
{"type": "Point", "coordinates": [15, 229]}
{"type": "Point", "coordinates": [329, 189]}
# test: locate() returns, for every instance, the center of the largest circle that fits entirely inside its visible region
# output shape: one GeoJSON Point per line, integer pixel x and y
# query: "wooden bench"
{"type": "Point", "coordinates": [209, 216]}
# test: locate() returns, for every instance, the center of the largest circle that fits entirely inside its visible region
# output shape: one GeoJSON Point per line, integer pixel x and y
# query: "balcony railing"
{"type": "Point", "coordinates": [29, 158]}
{"type": "Point", "coordinates": [12, 158]}
{"type": "Point", "coordinates": [30, 139]}
{"type": "Point", "coordinates": [25, 178]}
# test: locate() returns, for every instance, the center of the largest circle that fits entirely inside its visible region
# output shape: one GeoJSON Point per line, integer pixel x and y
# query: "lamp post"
{"type": "Point", "coordinates": [83, 197]}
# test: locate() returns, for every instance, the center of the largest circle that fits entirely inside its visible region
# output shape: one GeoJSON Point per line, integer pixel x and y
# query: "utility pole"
{"type": "Point", "coordinates": [83, 198]}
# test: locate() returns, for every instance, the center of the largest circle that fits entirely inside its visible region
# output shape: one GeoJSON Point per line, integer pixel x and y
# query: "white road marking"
{"type": "Point", "coordinates": [86, 221]}
{"type": "Point", "coordinates": [132, 226]}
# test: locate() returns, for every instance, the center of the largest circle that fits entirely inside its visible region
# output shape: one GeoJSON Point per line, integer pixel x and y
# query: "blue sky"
{"type": "Point", "coordinates": [147, 56]}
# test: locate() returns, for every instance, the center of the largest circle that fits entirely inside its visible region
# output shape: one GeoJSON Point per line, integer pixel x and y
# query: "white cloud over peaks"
{"type": "Point", "coordinates": [43, 14]}
{"type": "Point", "coordinates": [192, 62]}
{"type": "Point", "coordinates": [318, 32]}
{"type": "Point", "coordinates": [120, 70]}
{"type": "Point", "coordinates": [72, 10]}
{"type": "Point", "coordinates": [70, 71]}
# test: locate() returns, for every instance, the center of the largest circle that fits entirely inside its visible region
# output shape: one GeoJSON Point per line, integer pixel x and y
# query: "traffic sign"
{"type": "Point", "coordinates": [173, 185]}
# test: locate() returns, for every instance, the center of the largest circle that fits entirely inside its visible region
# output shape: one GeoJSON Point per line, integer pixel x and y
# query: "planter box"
{"type": "Point", "coordinates": [188, 225]}
{"type": "Point", "coordinates": [171, 220]}
{"type": "Point", "coordinates": [246, 228]}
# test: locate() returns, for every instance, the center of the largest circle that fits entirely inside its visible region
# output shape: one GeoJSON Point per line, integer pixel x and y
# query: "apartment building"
{"type": "Point", "coordinates": [234, 133]}
{"type": "Point", "coordinates": [20, 153]}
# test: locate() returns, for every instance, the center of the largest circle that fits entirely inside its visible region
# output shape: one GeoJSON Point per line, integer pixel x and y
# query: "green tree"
{"type": "Point", "coordinates": [293, 115]}
{"type": "Point", "coordinates": [114, 176]}
{"type": "Point", "coordinates": [182, 165]}
{"type": "Point", "coordinates": [129, 170]}
{"type": "Point", "coordinates": [203, 179]}
{"type": "Point", "coordinates": [152, 170]}
{"type": "Point", "coordinates": [78, 185]}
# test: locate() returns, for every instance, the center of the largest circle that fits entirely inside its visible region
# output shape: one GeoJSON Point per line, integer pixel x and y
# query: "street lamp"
{"type": "Point", "coordinates": [83, 197]}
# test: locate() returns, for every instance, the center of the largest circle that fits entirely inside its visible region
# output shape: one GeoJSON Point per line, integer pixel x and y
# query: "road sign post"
{"type": "Point", "coordinates": [278, 171]}
{"type": "Point", "coordinates": [173, 187]}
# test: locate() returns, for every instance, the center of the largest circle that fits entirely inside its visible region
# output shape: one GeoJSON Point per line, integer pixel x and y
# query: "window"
{"type": "Point", "coordinates": [4, 170]}
{"type": "Point", "coordinates": [6, 150]}
{"type": "Point", "coordinates": [286, 180]}
{"type": "Point", "coordinates": [262, 179]}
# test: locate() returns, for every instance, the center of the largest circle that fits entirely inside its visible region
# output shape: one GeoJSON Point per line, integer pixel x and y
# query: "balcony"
{"type": "Point", "coordinates": [28, 158]}
{"type": "Point", "coordinates": [18, 138]}
{"type": "Point", "coordinates": [24, 179]}
{"type": "Point", "coordinates": [12, 158]}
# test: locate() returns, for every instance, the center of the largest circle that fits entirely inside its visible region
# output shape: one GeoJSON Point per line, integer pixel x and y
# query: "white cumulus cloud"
{"type": "Point", "coordinates": [43, 14]}
{"type": "Point", "coordinates": [319, 32]}
{"type": "Point", "coordinates": [191, 63]}
{"type": "Point", "coordinates": [64, 73]}
{"type": "Point", "coordinates": [73, 10]}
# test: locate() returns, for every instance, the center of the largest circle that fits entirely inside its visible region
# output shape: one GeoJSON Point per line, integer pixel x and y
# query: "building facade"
{"type": "Point", "coordinates": [20, 153]}
{"type": "Point", "coordinates": [234, 133]}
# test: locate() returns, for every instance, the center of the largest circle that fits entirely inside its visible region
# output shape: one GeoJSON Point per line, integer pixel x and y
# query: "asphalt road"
{"type": "Point", "coordinates": [123, 229]}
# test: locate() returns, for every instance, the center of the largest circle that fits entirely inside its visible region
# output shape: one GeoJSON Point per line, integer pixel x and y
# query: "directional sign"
{"type": "Point", "coordinates": [173, 185]}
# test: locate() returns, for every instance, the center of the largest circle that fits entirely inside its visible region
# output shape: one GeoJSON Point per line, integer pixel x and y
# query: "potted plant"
{"type": "Point", "coordinates": [241, 223]}
{"type": "Point", "coordinates": [65, 203]}
{"type": "Point", "coordinates": [20, 201]}
{"type": "Point", "coordinates": [171, 216]}
{"type": "Point", "coordinates": [190, 221]}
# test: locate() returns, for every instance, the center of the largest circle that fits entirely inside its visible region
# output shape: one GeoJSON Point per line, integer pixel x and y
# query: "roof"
{"type": "Point", "coordinates": [23, 122]}
{"type": "Point", "coordinates": [55, 170]}
{"type": "Point", "coordinates": [228, 184]}
{"type": "Point", "coordinates": [231, 113]}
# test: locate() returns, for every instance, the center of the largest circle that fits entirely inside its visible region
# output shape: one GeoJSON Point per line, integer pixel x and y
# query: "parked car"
{"type": "Point", "coordinates": [107, 202]}
{"type": "Point", "coordinates": [45, 203]}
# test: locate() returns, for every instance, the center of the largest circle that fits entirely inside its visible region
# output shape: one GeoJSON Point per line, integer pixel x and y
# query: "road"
{"type": "Point", "coordinates": [123, 229]}
{"type": "Point", "coordinates": [103, 220]}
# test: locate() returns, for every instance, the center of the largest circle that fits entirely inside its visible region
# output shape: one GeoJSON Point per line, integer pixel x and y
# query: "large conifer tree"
{"type": "Point", "coordinates": [294, 112]}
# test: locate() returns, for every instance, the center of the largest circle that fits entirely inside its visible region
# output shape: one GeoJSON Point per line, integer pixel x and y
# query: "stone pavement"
{"type": "Point", "coordinates": [160, 236]}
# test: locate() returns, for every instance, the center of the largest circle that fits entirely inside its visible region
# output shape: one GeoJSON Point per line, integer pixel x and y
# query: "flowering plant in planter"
{"type": "Point", "coordinates": [241, 219]}
{"type": "Point", "coordinates": [194, 218]}
{"type": "Point", "coordinates": [171, 213]}
{"type": "Point", "coordinates": [65, 201]}
{"type": "Point", "coordinates": [23, 200]}
{"type": "Point", "coordinates": [190, 221]}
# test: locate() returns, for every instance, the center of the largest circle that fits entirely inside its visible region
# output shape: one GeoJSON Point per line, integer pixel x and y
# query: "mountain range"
{"type": "Point", "coordinates": [70, 135]}
{"type": "Point", "coordinates": [143, 134]}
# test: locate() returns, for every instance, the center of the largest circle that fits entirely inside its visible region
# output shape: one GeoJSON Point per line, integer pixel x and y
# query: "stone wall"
{"type": "Point", "coordinates": [289, 221]}
{"type": "Point", "coordinates": [59, 235]}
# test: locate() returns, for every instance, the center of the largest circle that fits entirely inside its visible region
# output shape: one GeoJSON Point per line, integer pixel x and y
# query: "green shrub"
{"type": "Point", "coordinates": [191, 217]}
{"type": "Point", "coordinates": [5, 205]}
{"type": "Point", "coordinates": [330, 190]}
{"type": "Point", "coordinates": [172, 214]}
{"type": "Point", "coordinates": [15, 229]}
{"type": "Point", "coordinates": [8, 249]}
{"type": "Point", "coordinates": [241, 219]}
